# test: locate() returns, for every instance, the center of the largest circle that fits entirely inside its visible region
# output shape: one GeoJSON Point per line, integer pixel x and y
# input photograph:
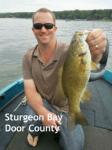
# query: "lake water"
{"type": "Point", "coordinates": [16, 38]}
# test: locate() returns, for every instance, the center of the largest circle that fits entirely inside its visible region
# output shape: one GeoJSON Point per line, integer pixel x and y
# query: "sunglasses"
{"type": "Point", "coordinates": [39, 26]}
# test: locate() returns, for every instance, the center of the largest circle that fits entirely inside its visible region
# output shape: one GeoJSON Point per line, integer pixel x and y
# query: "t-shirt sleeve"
{"type": "Point", "coordinates": [26, 67]}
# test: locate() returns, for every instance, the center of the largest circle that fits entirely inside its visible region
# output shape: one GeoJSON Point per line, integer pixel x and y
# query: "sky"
{"type": "Point", "coordinates": [55, 5]}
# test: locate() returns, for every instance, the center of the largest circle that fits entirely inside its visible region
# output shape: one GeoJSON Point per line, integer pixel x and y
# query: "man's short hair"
{"type": "Point", "coordinates": [44, 10]}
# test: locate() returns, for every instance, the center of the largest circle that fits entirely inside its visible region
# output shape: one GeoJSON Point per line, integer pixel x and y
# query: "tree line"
{"type": "Point", "coordinates": [105, 14]}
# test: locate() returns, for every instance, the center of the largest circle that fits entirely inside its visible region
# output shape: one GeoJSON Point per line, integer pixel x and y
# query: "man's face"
{"type": "Point", "coordinates": [43, 35]}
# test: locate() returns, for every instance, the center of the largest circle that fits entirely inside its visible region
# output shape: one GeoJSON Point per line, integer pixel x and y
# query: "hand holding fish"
{"type": "Point", "coordinates": [97, 43]}
{"type": "Point", "coordinates": [50, 122]}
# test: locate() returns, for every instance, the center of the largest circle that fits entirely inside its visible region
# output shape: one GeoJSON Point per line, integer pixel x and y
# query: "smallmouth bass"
{"type": "Point", "coordinates": [75, 75]}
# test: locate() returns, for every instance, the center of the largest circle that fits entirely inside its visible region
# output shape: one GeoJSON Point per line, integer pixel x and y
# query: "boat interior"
{"type": "Point", "coordinates": [98, 132]}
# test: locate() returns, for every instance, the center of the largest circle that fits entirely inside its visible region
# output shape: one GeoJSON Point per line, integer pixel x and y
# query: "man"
{"type": "Point", "coordinates": [40, 70]}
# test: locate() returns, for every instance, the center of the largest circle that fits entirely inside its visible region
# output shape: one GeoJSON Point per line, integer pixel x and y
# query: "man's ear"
{"type": "Point", "coordinates": [33, 30]}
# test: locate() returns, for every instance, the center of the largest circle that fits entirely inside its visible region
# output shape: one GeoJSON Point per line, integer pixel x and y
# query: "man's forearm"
{"type": "Point", "coordinates": [35, 101]}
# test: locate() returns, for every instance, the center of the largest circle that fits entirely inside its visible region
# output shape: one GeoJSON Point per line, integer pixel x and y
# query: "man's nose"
{"type": "Point", "coordinates": [43, 28]}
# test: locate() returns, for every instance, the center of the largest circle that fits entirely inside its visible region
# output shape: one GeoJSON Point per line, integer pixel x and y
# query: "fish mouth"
{"type": "Point", "coordinates": [83, 53]}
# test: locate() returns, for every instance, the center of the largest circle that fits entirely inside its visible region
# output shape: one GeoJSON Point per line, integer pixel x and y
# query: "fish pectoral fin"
{"type": "Point", "coordinates": [86, 96]}
{"type": "Point", "coordinates": [95, 66]}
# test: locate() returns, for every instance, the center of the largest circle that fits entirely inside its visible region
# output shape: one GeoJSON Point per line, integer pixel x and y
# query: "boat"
{"type": "Point", "coordinates": [98, 111]}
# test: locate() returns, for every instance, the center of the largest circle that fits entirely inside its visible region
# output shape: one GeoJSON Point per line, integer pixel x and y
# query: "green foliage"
{"type": "Point", "coordinates": [16, 15]}
{"type": "Point", "coordinates": [105, 14]}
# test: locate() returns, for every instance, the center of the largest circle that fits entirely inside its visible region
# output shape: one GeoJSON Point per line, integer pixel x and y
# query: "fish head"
{"type": "Point", "coordinates": [79, 47]}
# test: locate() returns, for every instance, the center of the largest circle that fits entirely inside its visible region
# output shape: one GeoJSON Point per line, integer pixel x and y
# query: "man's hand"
{"type": "Point", "coordinates": [97, 43]}
{"type": "Point", "coordinates": [51, 122]}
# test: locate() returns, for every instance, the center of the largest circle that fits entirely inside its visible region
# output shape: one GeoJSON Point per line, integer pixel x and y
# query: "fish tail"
{"type": "Point", "coordinates": [77, 118]}
{"type": "Point", "coordinates": [81, 119]}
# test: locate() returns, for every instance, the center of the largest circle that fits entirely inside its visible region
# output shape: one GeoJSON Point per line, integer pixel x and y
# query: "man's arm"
{"type": "Point", "coordinates": [35, 101]}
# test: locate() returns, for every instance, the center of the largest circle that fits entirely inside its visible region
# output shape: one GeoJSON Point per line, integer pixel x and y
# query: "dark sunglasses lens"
{"type": "Point", "coordinates": [38, 26]}
{"type": "Point", "coordinates": [49, 25]}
